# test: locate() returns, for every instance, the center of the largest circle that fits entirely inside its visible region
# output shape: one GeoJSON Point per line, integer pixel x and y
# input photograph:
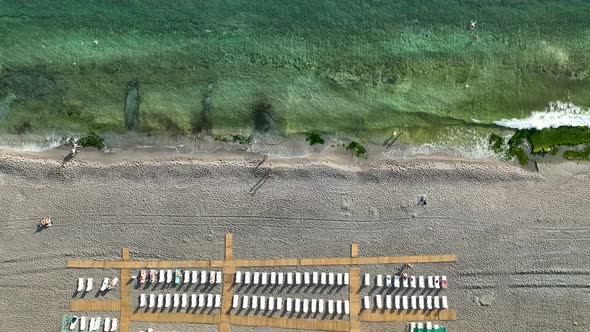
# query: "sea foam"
{"type": "Point", "coordinates": [557, 114]}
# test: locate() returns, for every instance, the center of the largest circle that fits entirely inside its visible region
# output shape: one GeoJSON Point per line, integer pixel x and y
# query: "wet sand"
{"type": "Point", "coordinates": [521, 237]}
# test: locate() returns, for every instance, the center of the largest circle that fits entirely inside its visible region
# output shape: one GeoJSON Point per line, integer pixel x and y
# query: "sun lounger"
{"type": "Point", "coordinates": [176, 302]}
{"type": "Point", "coordinates": [346, 278]}
{"type": "Point", "coordinates": [83, 323]}
{"type": "Point", "coordinates": [97, 322]}
{"type": "Point", "coordinates": [330, 306]}
{"type": "Point", "coordinates": [379, 301]}
{"type": "Point", "coordinates": [238, 278]}
{"type": "Point", "coordinates": [297, 305]}
{"type": "Point", "coordinates": [256, 279]}
{"type": "Point", "coordinates": [366, 303]}
{"type": "Point", "coordinates": [421, 283]}
{"type": "Point", "coordinates": [160, 301]}
{"type": "Point", "coordinates": [388, 301]}
{"type": "Point", "coordinates": [315, 277]}
{"type": "Point", "coordinates": [406, 282]}
{"type": "Point", "coordinates": [305, 306]}
{"type": "Point", "coordinates": [321, 305]}
{"type": "Point", "coordinates": [254, 302]}
{"type": "Point", "coordinates": [273, 278]}
{"type": "Point", "coordinates": [113, 283]}
{"type": "Point", "coordinates": [264, 279]}
{"type": "Point", "coordinates": [289, 305]}
{"type": "Point", "coordinates": [331, 279]}
{"type": "Point", "coordinates": [168, 302]}
{"type": "Point", "coordinates": [218, 277]}
{"type": "Point", "coordinates": [80, 284]}
{"type": "Point", "coordinates": [367, 280]}
{"type": "Point", "coordinates": [114, 324]}
{"type": "Point", "coordinates": [203, 277]}
{"type": "Point", "coordinates": [262, 303]}
{"type": "Point", "coordinates": [412, 327]}
{"type": "Point", "coordinates": [235, 301]}
{"type": "Point", "coordinates": [150, 330]}
{"type": "Point", "coordinates": [347, 307]}
{"type": "Point", "coordinates": [339, 307]}
{"type": "Point", "coordinates": [89, 284]}
{"type": "Point", "coordinates": [209, 300]}
{"type": "Point", "coordinates": [339, 279]}
{"type": "Point", "coordinates": [280, 278]}
{"type": "Point", "coordinates": [314, 305]}
{"type": "Point", "coordinates": [429, 302]}
{"type": "Point", "coordinates": [445, 303]}
{"type": "Point", "coordinates": [245, 302]}
{"type": "Point", "coordinates": [379, 280]}
{"type": "Point", "coordinates": [187, 277]}
{"type": "Point", "coordinates": [398, 302]}
{"type": "Point", "coordinates": [279, 303]}
{"type": "Point", "coordinates": [414, 302]}
{"type": "Point", "coordinates": [289, 278]}
{"type": "Point", "coordinates": [388, 280]}
{"type": "Point", "coordinates": [443, 282]}
{"type": "Point", "coordinates": [162, 276]}
{"type": "Point", "coordinates": [107, 324]}
{"type": "Point", "coordinates": [430, 282]}
{"type": "Point", "coordinates": [217, 300]}
{"type": "Point", "coordinates": [194, 277]}
{"type": "Point", "coordinates": [436, 302]}
{"type": "Point", "coordinates": [297, 278]}
{"type": "Point", "coordinates": [247, 278]}
{"type": "Point", "coordinates": [428, 326]}
{"type": "Point", "coordinates": [202, 300]}
{"type": "Point", "coordinates": [153, 276]}
{"type": "Point", "coordinates": [306, 278]}
{"type": "Point", "coordinates": [74, 323]}
{"type": "Point", "coordinates": [405, 302]}
{"type": "Point", "coordinates": [212, 277]}
{"type": "Point", "coordinates": [271, 303]}
{"type": "Point", "coordinates": [324, 278]}
{"type": "Point", "coordinates": [194, 300]}
{"type": "Point", "coordinates": [396, 281]}
{"type": "Point", "coordinates": [420, 327]}
{"type": "Point", "coordinates": [184, 301]}
{"type": "Point", "coordinates": [91, 325]}
{"type": "Point", "coordinates": [169, 276]}
{"type": "Point", "coordinates": [436, 282]}
{"type": "Point", "coordinates": [152, 302]}
{"type": "Point", "coordinates": [413, 281]}
{"type": "Point", "coordinates": [421, 302]}
{"type": "Point", "coordinates": [105, 284]}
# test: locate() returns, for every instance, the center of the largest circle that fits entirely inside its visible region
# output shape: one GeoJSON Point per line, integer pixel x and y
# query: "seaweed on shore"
{"type": "Point", "coordinates": [314, 138]}
{"type": "Point", "coordinates": [356, 148]}
{"type": "Point", "coordinates": [92, 140]}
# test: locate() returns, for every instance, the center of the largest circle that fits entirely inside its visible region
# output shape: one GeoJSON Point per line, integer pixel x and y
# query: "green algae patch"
{"type": "Point", "coordinates": [356, 149]}
{"type": "Point", "coordinates": [314, 138]}
{"type": "Point", "coordinates": [92, 140]}
{"type": "Point", "coordinates": [583, 154]}
{"type": "Point", "coordinates": [542, 141]}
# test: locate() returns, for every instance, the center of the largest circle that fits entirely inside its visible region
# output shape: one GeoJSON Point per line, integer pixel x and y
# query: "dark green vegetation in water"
{"type": "Point", "coordinates": [92, 140]}
{"type": "Point", "coordinates": [346, 67]}
{"type": "Point", "coordinates": [314, 138]}
{"type": "Point", "coordinates": [356, 149]}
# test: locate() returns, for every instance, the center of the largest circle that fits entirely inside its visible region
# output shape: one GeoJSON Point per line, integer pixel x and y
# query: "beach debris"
{"type": "Point", "coordinates": [142, 276]}
{"type": "Point", "coordinates": [472, 25]}
{"type": "Point", "coordinates": [402, 271]}
{"type": "Point", "coordinates": [152, 276]}
{"type": "Point", "coordinates": [46, 222]}
{"type": "Point", "coordinates": [422, 200]}
{"type": "Point", "coordinates": [485, 300]}
{"type": "Point", "coordinates": [113, 283]}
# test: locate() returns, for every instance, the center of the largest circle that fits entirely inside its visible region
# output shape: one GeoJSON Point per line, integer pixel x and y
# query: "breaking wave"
{"type": "Point", "coordinates": [557, 114]}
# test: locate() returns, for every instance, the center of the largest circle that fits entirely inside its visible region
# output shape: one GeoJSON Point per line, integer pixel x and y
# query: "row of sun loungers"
{"type": "Point", "coordinates": [291, 278]}
{"type": "Point", "coordinates": [297, 305]}
{"type": "Point", "coordinates": [433, 282]}
{"type": "Point", "coordinates": [93, 324]}
{"type": "Point", "coordinates": [179, 300]}
{"type": "Point", "coordinates": [86, 285]}
{"type": "Point", "coordinates": [421, 327]}
{"type": "Point", "coordinates": [407, 302]}
{"type": "Point", "coordinates": [178, 276]}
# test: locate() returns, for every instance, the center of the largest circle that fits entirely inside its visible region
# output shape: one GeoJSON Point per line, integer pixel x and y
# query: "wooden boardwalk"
{"type": "Point", "coordinates": [224, 319]}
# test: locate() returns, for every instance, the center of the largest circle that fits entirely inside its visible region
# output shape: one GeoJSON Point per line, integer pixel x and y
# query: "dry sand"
{"type": "Point", "coordinates": [521, 237]}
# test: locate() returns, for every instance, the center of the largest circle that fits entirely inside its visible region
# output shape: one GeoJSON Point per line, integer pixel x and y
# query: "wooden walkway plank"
{"type": "Point", "coordinates": [354, 287]}
{"type": "Point", "coordinates": [125, 295]}
{"type": "Point", "coordinates": [409, 315]}
{"type": "Point", "coordinates": [95, 305]}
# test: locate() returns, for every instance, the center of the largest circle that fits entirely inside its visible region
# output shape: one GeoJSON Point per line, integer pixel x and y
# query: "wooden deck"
{"type": "Point", "coordinates": [224, 319]}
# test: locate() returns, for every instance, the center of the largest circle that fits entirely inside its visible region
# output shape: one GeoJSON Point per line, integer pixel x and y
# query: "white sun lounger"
{"type": "Point", "coordinates": [91, 325]}
{"type": "Point", "coordinates": [420, 326]}
{"type": "Point", "coordinates": [443, 282]}
{"type": "Point", "coordinates": [218, 277]}
{"type": "Point", "coordinates": [388, 280]}
{"type": "Point", "coordinates": [273, 278]}
{"type": "Point", "coordinates": [347, 307]}
{"type": "Point", "coordinates": [406, 282]}
{"type": "Point", "coordinates": [314, 305]}
{"type": "Point", "coordinates": [152, 303]}
{"type": "Point", "coordinates": [429, 302]}
{"type": "Point", "coordinates": [346, 278]}
{"type": "Point", "coordinates": [107, 324]}
{"type": "Point", "coordinates": [414, 302]}
{"type": "Point", "coordinates": [194, 277]}
{"type": "Point", "coordinates": [436, 282]}
{"type": "Point", "coordinates": [201, 300]}
{"type": "Point", "coordinates": [339, 307]}
{"type": "Point", "coordinates": [247, 278]}
{"type": "Point", "coordinates": [262, 303]}
{"type": "Point", "coordinates": [445, 303]}
{"type": "Point", "coordinates": [162, 276]}
{"type": "Point", "coordinates": [194, 300]}
{"type": "Point", "coordinates": [289, 306]}
{"type": "Point", "coordinates": [186, 276]}
{"type": "Point", "coordinates": [217, 300]}
{"type": "Point", "coordinates": [245, 302]}
{"type": "Point", "coordinates": [289, 278]}
{"type": "Point", "coordinates": [279, 303]}
{"type": "Point", "coordinates": [421, 283]}
{"type": "Point", "coordinates": [430, 282]}
{"type": "Point", "coordinates": [398, 302]}
{"type": "Point", "coordinates": [168, 301]}
{"type": "Point", "coordinates": [396, 281]}
{"type": "Point", "coordinates": [105, 284]}
{"type": "Point", "coordinates": [89, 284]}
{"type": "Point", "coordinates": [306, 278]}
{"type": "Point", "coordinates": [176, 300]}
{"type": "Point", "coordinates": [321, 306]}
{"type": "Point", "coordinates": [379, 280]}
{"type": "Point", "coordinates": [80, 284]}
{"type": "Point", "coordinates": [366, 302]}
{"type": "Point", "coordinates": [379, 301]}
{"type": "Point", "coordinates": [281, 278]}
{"type": "Point", "coordinates": [203, 277]}
{"type": "Point", "coordinates": [388, 301]}
{"type": "Point", "coordinates": [367, 280]}
{"type": "Point", "coordinates": [212, 277]}
{"type": "Point", "coordinates": [339, 279]}
{"type": "Point", "coordinates": [209, 300]}
{"type": "Point", "coordinates": [235, 301]}
{"type": "Point", "coordinates": [405, 302]}
{"type": "Point", "coordinates": [271, 303]}
{"type": "Point", "coordinates": [324, 278]}
{"type": "Point", "coordinates": [413, 281]}
{"type": "Point", "coordinates": [412, 326]}
{"type": "Point", "coordinates": [436, 302]}
{"type": "Point", "coordinates": [184, 301]}
{"type": "Point", "coordinates": [160, 301]}
{"type": "Point", "coordinates": [264, 279]}
{"type": "Point", "coordinates": [297, 278]}
{"type": "Point", "coordinates": [238, 277]}
{"type": "Point", "coordinates": [428, 325]}
{"type": "Point", "coordinates": [330, 306]}
{"type": "Point", "coordinates": [114, 324]}
{"type": "Point", "coordinates": [305, 306]}
{"type": "Point", "coordinates": [421, 302]}
{"type": "Point", "coordinates": [256, 279]}
{"type": "Point", "coordinates": [168, 276]}
{"type": "Point", "coordinates": [297, 304]}
{"type": "Point", "coordinates": [331, 279]}
{"type": "Point", "coordinates": [254, 302]}
{"type": "Point", "coordinates": [83, 323]}
{"type": "Point", "coordinates": [74, 323]}
{"type": "Point", "coordinates": [315, 276]}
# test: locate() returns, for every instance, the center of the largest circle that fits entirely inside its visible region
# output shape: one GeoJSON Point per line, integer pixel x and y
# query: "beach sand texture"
{"type": "Point", "coordinates": [521, 237]}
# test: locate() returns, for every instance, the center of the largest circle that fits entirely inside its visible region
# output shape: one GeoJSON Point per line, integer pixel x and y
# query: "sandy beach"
{"type": "Point", "coordinates": [521, 236]}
